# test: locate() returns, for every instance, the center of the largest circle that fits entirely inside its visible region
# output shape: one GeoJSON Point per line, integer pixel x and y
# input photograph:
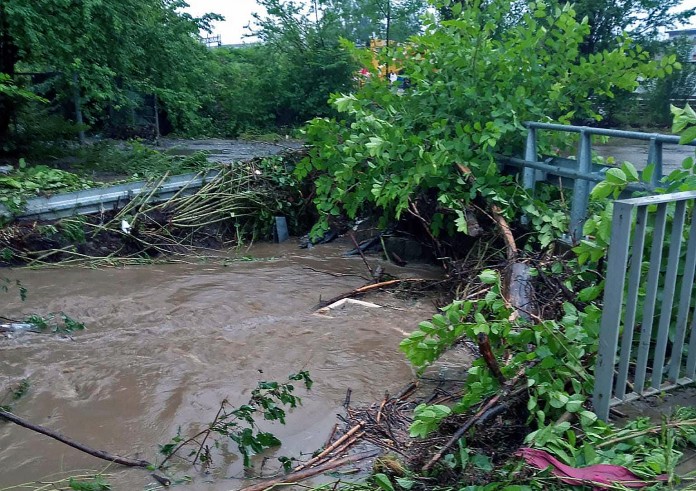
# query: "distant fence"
{"type": "Point", "coordinates": [639, 301]}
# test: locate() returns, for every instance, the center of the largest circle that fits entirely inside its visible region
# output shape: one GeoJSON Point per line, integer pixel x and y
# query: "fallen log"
{"type": "Point", "coordinates": [307, 473]}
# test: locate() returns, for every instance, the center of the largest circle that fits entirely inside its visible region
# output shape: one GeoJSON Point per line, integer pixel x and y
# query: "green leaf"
{"type": "Point", "coordinates": [382, 480]}
{"type": "Point", "coordinates": [482, 462]}
{"type": "Point", "coordinates": [489, 276]}
{"type": "Point", "coordinates": [602, 190]}
{"type": "Point", "coordinates": [587, 418]}
{"type": "Point", "coordinates": [405, 482]}
{"type": "Point", "coordinates": [616, 176]}
{"type": "Point", "coordinates": [648, 172]}
{"type": "Point", "coordinates": [630, 171]}
{"type": "Point", "coordinates": [688, 135]}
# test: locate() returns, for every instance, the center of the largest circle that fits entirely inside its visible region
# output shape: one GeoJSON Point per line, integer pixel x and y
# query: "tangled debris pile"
{"type": "Point", "coordinates": [239, 203]}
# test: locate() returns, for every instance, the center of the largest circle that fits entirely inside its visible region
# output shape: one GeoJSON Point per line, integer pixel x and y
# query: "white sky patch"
{"type": "Point", "coordinates": [237, 15]}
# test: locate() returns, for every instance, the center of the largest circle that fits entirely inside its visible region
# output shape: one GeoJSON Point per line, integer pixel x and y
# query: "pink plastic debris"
{"type": "Point", "coordinates": [601, 476]}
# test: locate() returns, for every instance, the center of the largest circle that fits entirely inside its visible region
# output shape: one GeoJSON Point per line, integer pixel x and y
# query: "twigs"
{"type": "Point", "coordinates": [100, 454]}
{"type": "Point", "coordinates": [491, 403]}
{"type": "Point", "coordinates": [307, 473]}
{"type": "Point", "coordinates": [362, 255]}
{"type": "Point", "coordinates": [53, 483]}
{"type": "Point", "coordinates": [332, 447]}
{"type": "Point", "coordinates": [238, 199]}
{"type": "Point", "coordinates": [648, 431]}
{"type": "Point", "coordinates": [204, 433]}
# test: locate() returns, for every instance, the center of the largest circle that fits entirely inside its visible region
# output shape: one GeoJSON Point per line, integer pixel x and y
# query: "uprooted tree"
{"type": "Point", "coordinates": [428, 153]}
{"type": "Point", "coordinates": [472, 88]}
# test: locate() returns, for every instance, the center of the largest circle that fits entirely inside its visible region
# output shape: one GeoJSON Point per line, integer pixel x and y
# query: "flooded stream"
{"type": "Point", "coordinates": [165, 344]}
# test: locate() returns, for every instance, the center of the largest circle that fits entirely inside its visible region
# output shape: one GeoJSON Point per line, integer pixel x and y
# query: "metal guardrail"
{"type": "Point", "coordinates": [584, 174]}
{"type": "Point", "coordinates": [658, 352]}
{"type": "Point", "coordinates": [107, 198]}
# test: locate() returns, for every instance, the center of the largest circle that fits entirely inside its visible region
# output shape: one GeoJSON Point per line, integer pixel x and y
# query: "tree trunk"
{"type": "Point", "coordinates": [78, 108]}
{"type": "Point", "coordinates": [9, 56]}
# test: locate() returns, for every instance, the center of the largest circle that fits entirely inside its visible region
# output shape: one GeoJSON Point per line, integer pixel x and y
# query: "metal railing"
{"type": "Point", "coordinates": [651, 356]}
{"type": "Point", "coordinates": [108, 198]}
{"type": "Point", "coordinates": [583, 174]}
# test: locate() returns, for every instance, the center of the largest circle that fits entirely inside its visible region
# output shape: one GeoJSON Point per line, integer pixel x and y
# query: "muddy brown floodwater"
{"type": "Point", "coordinates": [165, 344]}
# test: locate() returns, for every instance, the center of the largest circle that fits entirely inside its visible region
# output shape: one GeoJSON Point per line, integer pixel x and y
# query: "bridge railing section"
{"type": "Point", "coordinates": [647, 340]}
{"type": "Point", "coordinates": [582, 171]}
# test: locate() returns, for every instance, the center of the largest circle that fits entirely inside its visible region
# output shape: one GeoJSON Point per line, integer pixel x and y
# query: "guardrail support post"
{"type": "Point", "coordinates": [578, 211]}
{"type": "Point", "coordinates": [655, 157]}
{"type": "Point", "coordinates": [530, 155]}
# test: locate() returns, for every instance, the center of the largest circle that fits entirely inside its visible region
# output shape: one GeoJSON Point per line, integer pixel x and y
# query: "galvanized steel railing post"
{"type": "Point", "coordinates": [653, 280]}
{"type": "Point", "coordinates": [578, 211]}
{"type": "Point", "coordinates": [668, 294]}
{"type": "Point", "coordinates": [613, 301]}
{"type": "Point", "coordinates": [655, 158]}
{"type": "Point", "coordinates": [686, 290]}
{"type": "Point", "coordinates": [629, 323]}
{"type": "Point", "coordinates": [530, 155]}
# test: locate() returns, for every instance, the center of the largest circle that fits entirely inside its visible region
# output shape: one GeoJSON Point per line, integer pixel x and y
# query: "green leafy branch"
{"type": "Point", "coordinates": [239, 425]}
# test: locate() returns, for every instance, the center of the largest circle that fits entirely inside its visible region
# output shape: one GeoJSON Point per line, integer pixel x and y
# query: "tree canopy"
{"type": "Point", "coordinates": [641, 19]}
{"type": "Point", "coordinates": [112, 47]}
{"type": "Point", "coordinates": [472, 88]}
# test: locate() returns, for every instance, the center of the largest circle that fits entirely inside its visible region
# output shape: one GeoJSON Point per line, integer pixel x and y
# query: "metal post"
{"type": "Point", "coordinates": [651, 290]}
{"type": "Point", "coordinates": [629, 323]}
{"type": "Point", "coordinates": [687, 286]}
{"type": "Point", "coordinates": [578, 210]}
{"type": "Point", "coordinates": [613, 302]}
{"type": "Point", "coordinates": [655, 157]}
{"type": "Point", "coordinates": [668, 290]}
{"type": "Point", "coordinates": [530, 155]}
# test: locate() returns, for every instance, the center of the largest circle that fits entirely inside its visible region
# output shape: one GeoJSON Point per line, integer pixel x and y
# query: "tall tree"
{"type": "Point", "coordinates": [313, 64]}
{"type": "Point", "coordinates": [395, 20]}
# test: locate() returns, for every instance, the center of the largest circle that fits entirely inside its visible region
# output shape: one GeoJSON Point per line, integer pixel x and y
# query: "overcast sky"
{"type": "Point", "coordinates": [237, 14]}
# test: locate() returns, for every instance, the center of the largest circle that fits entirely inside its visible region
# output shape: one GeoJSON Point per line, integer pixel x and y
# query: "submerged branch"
{"type": "Point", "coordinates": [100, 454]}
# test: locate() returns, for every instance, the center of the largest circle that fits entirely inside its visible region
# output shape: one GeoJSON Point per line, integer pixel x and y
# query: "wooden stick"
{"type": "Point", "coordinates": [100, 454]}
{"type": "Point", "coordinates": [381, 406]}
{"type": "Point", "coordinates": [362, 255]}
{"type": "Point", "coordinates": [505, 229]}
{"type": "Point", "coordinates": [407, 391]}
{"type": "Point", "coordinates": [344, 446]}
{"type": "Point", "coordinates": [331, 447]}
{"type": "Point", "coordinates": [484, 345]}
{"type": "Point", "coordinates": [307, 473]}
{"type": "Point", "coordinates": [331, 435]}
{"type": "Point", "coordinates": [365, 289]}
